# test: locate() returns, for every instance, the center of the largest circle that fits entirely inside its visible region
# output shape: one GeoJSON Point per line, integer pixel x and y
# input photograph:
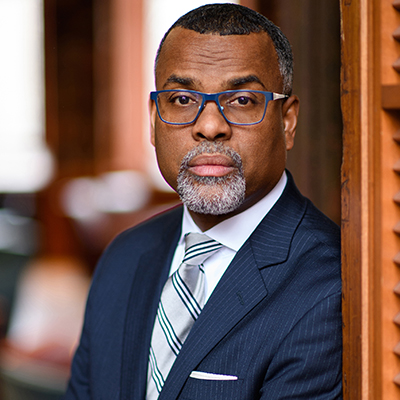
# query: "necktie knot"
{"type": "Point", "coordinates": [199, 247]}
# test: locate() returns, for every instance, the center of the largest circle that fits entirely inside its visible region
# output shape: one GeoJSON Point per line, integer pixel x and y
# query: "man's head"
{"type": "Point", "coordinates": [232, 19]}
{"type": "Point", "coordinates": [228, 156]}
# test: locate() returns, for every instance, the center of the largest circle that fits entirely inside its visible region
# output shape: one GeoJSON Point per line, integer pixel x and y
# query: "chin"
{"type": "Point", "coordinates": [212, 195]}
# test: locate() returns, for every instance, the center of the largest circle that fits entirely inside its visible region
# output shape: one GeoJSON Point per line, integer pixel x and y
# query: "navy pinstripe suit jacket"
{"type": "Point", "coordinates": [273, 321]}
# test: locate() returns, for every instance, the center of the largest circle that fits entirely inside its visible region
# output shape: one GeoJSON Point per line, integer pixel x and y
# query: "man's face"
{"type": "Point", "coordinates": [213, 63]}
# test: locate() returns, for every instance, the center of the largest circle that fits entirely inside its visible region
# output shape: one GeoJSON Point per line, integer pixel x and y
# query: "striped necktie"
{"type": "Point", "coordinates": [181, 302]}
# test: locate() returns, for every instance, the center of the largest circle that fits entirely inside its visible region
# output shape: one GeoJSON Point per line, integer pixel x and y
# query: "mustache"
{"type": "Point", "coordinates": [212, 148]}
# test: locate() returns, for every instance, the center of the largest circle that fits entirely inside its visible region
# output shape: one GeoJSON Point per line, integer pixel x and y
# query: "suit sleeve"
{"type": "Point", "coordinates": [308, 363]}
{"type": "Point", "coordinates": [78, 386]}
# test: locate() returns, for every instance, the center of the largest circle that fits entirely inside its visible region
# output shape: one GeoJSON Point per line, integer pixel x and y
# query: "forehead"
{"type": "Point", "coordinates": [212, 60]}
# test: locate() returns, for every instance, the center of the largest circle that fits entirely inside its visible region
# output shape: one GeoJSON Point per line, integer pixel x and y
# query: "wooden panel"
{"type": "Point", "coordinates": [119, 106]}
{"type": "Point", "coordinates": [351, 201]}
{"type": "Point", "coordinates": [69, 114]}
{"type": "Point", "coordinates": [126, 90]}
{"type": "Point", "coordinates": [391, 97]}
{"type": "Point", "coordinates": [371, 182]}
{"type": "Point", "coordinates": [50, 51]}
{"type": "Point", "coordinates": [74, 86]}
{"type": "Point", "coordinates": [390, 189]}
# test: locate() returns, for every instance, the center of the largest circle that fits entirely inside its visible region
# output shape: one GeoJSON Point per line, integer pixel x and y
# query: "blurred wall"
{"type": "Point", "coordinates": [313, 29]}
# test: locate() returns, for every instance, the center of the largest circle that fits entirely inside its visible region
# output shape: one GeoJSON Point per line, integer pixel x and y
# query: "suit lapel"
{"type": "Point", "coordinates": [151, 274]}
{"type": "Point", "coordinates": [241, 288]}
{"type": "Point", "coordinates": [272, 239]}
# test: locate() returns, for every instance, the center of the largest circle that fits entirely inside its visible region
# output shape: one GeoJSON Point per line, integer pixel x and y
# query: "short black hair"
{"type": "Point", "coordinates": [234, 19]}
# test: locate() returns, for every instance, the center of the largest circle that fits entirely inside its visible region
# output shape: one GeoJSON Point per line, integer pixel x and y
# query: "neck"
{"type": "Point", "coordinates": [207, 221]}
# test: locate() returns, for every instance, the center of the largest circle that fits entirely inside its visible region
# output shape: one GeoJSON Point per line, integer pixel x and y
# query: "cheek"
{"type": "Point", "coordinates": [170, 152]}
{"type": "Point", "coordinates": [264, 160]}
{"type": "Point", "coordinates": [168, 162]}
{"type": "Point", "coordinates": [264, 147]}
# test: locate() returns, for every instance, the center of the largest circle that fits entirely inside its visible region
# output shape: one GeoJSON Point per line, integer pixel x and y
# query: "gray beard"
{"type": "Point", "coordinates": [215, 195]}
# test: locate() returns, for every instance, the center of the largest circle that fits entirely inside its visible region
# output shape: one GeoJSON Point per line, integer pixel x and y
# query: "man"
{"type": "Point", "coordinates": [260, 317]}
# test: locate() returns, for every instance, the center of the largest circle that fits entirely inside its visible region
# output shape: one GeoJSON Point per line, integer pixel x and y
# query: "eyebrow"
{"type": "Point", "coordinates": [178, 79]}
{"type": "Point", "coordinates": [245, 79]}
{"type": "Point", "coordinates": [236, 82]}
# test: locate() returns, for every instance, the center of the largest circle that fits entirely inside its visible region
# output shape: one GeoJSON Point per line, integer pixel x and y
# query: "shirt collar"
{"type": "Point", "coordinates": [234, 231]}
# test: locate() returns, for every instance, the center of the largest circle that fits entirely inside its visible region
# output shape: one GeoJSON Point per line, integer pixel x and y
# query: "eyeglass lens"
{"type": "Point", "coordinates": [244, 107]}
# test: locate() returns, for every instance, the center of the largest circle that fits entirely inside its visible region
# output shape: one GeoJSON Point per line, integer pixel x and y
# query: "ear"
{"type": "Point", "coordinates": [290, 112]}
{"type": "Point", "coordinates": [153, 116]}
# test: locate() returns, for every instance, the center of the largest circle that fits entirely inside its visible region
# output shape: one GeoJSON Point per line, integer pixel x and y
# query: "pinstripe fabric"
{"type": "Point", "coordinates": [180, 305]}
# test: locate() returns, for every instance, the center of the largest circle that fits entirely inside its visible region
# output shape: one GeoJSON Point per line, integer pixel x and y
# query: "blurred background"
{"type": "Point", "coordinates": [76, 166]}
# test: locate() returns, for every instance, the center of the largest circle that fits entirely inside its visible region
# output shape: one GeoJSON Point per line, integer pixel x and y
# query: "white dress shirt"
{"type": "Point", "coordinates": [231, 233]}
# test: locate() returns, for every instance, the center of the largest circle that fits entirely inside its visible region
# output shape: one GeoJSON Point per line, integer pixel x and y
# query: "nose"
{"type": "Point", "coordinates": [211, 124]}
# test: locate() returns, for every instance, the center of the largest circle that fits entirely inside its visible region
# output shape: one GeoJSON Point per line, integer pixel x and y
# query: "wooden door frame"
{"type": "Point", "coordinates": [370, 180]}
{"type": "Point", "coordinates": [360, 162]}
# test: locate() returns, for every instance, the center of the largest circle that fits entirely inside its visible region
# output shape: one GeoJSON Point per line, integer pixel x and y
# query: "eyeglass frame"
{"type": "Point", "coordinates": [269, 96]}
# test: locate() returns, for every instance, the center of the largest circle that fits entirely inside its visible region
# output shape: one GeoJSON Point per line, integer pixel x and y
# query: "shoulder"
{"type": "Point", "coordinates": [149, 232]}
{"type": "Point", "coordinates": [321, 227]}
{"type": "Point", "coordinates": [121, 257]}
{"type": "Point", "coordinates": [303, 242]}
{"type": "Point", "coordinates": [307, 220]}
{"type": "Point", "coordinates": [316, 251]}
{"type": "Point", "coordinates": [317, 248]}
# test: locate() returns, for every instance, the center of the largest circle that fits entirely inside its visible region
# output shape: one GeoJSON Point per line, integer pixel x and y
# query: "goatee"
{"type": "Point", "coordinates": [215, 195]}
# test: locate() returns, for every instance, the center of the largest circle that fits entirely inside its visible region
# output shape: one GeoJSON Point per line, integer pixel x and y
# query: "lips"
{"type": "Point", "coordinates": [211, 165]}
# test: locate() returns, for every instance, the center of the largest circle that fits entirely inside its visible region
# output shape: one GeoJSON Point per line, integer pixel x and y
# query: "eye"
{"type": "Point", "coordinates": [242, 100]}
{"type": "Point", "coordinates": [182, 99]}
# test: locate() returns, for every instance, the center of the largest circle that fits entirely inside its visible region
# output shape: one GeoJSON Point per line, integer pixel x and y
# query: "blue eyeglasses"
{"type": "Point", "coordinates": [238, 107]}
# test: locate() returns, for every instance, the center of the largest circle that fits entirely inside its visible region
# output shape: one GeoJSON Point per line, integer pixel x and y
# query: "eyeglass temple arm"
{"type": "Point", "coordinates": [277, 96]}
